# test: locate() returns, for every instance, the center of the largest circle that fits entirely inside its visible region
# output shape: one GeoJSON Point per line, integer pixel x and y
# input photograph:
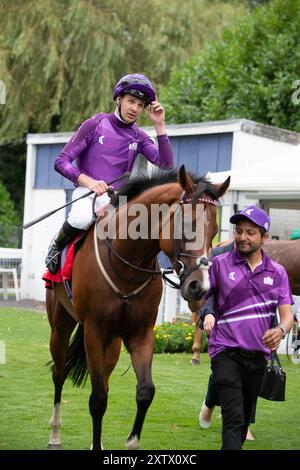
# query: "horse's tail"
{"type": "Point", "coordinates": [76, 365]}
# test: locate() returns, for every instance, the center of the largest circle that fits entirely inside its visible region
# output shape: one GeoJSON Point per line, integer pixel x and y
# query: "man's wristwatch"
{"type": "Point", "coordinates": [284, 332]}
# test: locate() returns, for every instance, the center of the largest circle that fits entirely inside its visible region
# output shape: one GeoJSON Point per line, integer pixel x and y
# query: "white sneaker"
{"type": "Point", "coordinates": [204, 423]}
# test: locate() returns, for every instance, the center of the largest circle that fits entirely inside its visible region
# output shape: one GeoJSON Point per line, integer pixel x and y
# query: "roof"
{"type": "Point", "coordinates": [195, 128]}
{"type": "Point", "coordinates": [279, 174]}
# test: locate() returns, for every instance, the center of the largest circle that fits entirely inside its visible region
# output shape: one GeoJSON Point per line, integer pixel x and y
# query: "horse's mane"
{"type": "Point", "coordinates": [138, 184]}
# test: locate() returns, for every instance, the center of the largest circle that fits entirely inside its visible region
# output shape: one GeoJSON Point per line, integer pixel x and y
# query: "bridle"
{"type": "Point", "coordinates": [182, 270]}
{"type": "Point", "coordinates": [202, 262]}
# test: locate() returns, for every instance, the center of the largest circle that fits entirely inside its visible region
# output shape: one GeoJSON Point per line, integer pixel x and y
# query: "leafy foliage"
{"type": "Point", "coordinates": [12, 171]}
{"type": "Point", "coordinates": [60, 59]}
{"type": "Point", "coordinates": [249, 73]}
{"type": "Point", "coordinates": [176, 337]}
{"type": "Point", "coordinates": [8, 219]}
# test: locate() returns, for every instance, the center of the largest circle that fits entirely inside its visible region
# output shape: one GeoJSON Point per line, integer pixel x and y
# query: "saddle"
{"type": "Point", "coordinates": [64, 274]}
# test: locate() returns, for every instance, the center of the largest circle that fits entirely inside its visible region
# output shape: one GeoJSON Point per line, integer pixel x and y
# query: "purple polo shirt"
{"type": "Point", "coordinates": [104, 147]}
{"type": "Point", "coordinates": [245, 301]}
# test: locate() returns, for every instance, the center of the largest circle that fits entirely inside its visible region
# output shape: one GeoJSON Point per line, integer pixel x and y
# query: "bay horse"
{"type": "Point", "coordinates": [117, 288]}
{"type": "Point", "coordinates": [287, 253]}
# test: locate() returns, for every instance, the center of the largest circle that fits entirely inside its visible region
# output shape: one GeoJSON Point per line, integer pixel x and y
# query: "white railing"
{"type": "Point", "coordinates": [10, 271]}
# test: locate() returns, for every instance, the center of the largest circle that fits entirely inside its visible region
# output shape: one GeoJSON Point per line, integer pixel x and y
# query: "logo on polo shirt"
{"type": "Point", "coordinates": [232, 276]}
{"type": "Point", "coordinates": [101, 138]}
{"type": "Point", "coordinates": [268, 280]}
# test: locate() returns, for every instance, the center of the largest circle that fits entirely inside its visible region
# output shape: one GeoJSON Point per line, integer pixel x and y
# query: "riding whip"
{"type": "Point", "coordinates": [42, 217]}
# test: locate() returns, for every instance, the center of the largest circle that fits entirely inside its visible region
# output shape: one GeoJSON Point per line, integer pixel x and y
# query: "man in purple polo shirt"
{"type": "Point", "coordinates": [104, 148]}
{"type": "Point", "coordinates": [248, 287]}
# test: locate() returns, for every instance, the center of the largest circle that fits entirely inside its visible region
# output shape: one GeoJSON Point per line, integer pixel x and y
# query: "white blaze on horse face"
{"type": "Point", "coordinates": [205, 283]}
{"type": "Point", "coordinates": [55, 423]}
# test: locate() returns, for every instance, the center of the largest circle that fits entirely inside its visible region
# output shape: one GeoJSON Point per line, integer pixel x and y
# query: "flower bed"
{"type": "Point", "coordinates": [176, 337]}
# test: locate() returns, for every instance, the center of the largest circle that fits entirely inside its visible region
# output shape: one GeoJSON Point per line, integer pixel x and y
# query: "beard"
{"type": "Point", "coordinates": [245, 249]}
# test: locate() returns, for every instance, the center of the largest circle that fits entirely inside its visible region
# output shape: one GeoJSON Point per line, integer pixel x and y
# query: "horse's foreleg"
{"type": "Point", "coordinates": [59, 344]}
{"type": "Point", "coordinates": [55, 423]}
{"type": "Point", "coordinates": [97, 406]}
{"type": "Point", "coordinates": [141, 350]}
{"type": "Point", "coordinates": [196, 348]}
{"type": "Point", "coordinates": [101, 362]}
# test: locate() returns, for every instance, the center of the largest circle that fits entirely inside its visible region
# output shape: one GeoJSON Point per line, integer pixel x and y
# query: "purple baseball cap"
{"type": "Point", "coordinates": [255, 214]}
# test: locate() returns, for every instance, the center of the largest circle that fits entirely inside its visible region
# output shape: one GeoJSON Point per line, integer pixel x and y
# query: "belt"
{"type": "Point", "coordinates": [245, 353]}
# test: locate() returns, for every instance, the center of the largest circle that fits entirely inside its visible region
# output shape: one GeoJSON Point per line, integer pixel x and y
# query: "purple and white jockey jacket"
{"type": "Point", "coordinates": [245, 301]}
{"type": "Point", "coordinates": [105, 147]}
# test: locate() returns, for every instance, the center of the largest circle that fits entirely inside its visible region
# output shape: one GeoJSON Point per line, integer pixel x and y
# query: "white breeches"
{"type": "Point", "coordinates": [81, 214]}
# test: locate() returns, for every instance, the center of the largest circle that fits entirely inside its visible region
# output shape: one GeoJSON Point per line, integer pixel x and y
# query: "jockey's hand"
{"type": "Point", "coordinates": [272, 338]}
{"type": "Point", "coordinates": [156, 113]}
{"type": "Point", "coordinates": [98, 187]}
{"type": "Point", "coordinates": [209, 323]}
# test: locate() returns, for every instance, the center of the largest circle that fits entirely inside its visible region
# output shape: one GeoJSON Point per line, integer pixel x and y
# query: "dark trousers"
{"type": "Point", "coordinates": [212, 397]}
{"type": "Point", "coordinates": [238, 375]}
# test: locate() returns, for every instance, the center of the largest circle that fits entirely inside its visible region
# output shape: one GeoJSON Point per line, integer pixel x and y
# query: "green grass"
{"type": "Point", "coordinates": [26, 397]}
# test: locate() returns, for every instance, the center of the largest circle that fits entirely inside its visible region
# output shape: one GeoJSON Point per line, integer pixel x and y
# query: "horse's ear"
{"type": "Point", "coordinates": [222, 187]}
{"type": "Point", "coordinates": [185, 180]}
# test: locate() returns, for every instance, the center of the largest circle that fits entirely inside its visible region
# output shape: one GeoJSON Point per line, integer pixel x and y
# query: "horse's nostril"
{"type": "Point", "coordinates": [194, 287]}
{"type": "Point", "coordinates": [200, 295]}
{"type": "Point", "coordinates": [195, 290]}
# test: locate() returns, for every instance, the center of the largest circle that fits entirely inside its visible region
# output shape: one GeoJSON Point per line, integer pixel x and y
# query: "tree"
{"type": "Point", "coordinates": [60, 59]}
{"type": "Point", "coordinates": [8, 220]}
{"type": "Point", "coordinates": [12, 171]}
{"type": "Point", "coordinates": [248, 73]}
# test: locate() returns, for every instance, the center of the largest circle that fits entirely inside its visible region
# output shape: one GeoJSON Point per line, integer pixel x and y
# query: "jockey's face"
{"type": "Point", "coordinates": [130, 108]}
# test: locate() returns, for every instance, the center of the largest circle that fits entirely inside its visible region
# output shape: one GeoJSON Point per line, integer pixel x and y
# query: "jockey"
{"type": "Point", "coordinates": [105, 147]}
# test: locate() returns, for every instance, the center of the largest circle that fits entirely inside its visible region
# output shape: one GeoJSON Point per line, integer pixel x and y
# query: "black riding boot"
{"type": "Point", "coordinates": [64, 236]}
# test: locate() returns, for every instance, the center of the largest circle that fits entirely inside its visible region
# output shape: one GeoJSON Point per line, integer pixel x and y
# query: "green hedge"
{"type": "Point", "coordinates": [176, 337]}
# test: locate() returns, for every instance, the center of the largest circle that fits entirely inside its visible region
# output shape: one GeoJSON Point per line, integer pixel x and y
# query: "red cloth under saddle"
{"type": "Point", "coordinates": [65, 272]}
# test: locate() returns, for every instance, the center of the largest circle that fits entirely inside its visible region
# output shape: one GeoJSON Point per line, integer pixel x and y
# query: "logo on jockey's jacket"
{"type": "Point", "coordinates": [232, 275]}
{"type": "Point", "coordinates": [101, 139]}
{"type": "Point", "coordinates": [268, 280]}
{"type": "Point", "coordinates": [133, 146]}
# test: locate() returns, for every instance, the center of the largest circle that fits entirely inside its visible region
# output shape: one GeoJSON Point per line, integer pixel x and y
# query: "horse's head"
{"type": "Point", "coordinates": [194, 222]}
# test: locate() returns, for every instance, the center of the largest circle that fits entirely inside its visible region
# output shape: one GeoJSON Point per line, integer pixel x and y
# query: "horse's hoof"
{"type": "Point", "coordinates": [54, 446]}
{"type": "Point", "coordinates": [133, 443]}
{"type": "Point", "coordinates": [194, 362]}
{"type": "Point", "coordinates": [101, 446]}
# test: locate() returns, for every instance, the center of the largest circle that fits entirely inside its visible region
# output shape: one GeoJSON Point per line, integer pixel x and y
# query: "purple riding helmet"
{"type": "Point", "coordinates": [136, 85]}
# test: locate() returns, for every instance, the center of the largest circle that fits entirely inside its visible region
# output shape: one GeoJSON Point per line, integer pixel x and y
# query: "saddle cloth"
{"type": "Point", "coordinates": [64, 274]}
